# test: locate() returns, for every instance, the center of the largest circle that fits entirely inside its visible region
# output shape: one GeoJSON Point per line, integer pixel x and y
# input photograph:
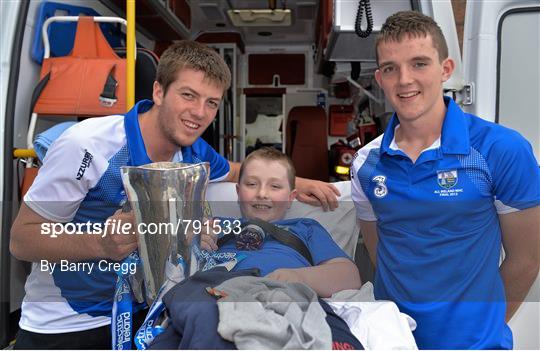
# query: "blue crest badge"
{"type": "Point", "coordinates": [447, 179]}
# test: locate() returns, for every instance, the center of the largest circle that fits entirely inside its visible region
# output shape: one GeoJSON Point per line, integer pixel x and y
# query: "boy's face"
{"type": "Point", "coordinates": [411, 75]}
{"type": "Point", "coordinates": [188, 107]}
{"type": "Point", "coordinates": [264, 191]}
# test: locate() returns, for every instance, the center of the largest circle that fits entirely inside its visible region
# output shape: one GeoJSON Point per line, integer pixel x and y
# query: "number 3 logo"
{"type": "Point", "coordinates": [380, 189]}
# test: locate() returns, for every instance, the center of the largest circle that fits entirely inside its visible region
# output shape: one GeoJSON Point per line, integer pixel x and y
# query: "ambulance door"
{"type": "Point", "coordinates": [501, 51]}
{"type": "Point", "coordinates": [501, 47]}
{"type": "Point", "coordinates": [11, 27]}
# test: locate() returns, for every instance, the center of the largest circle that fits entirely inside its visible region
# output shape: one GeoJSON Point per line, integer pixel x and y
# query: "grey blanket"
{"type": "Point", "coordinates": [260, 313]}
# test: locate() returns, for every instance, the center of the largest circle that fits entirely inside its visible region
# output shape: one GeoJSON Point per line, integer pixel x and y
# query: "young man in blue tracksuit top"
{"type": "Point", "coordinates": [69, 305]}
{"type": "Point", "coordinates": [439, 193]}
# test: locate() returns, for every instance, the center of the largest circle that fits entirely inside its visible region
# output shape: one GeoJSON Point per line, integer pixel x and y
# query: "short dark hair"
{"type": "Point", "coordinates": [413, 24]}
{"type": "Point", "coordinates": [271, 154]}
{"type": "Point", "coordinates": [192, 55]}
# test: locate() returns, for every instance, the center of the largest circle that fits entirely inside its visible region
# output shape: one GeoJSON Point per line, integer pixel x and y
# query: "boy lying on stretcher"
{"type": "Point", "coordinates": [265, 192]}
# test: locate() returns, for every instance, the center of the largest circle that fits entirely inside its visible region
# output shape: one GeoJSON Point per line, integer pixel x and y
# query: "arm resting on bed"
{"type": "Point", "coordinates": [326, 278]}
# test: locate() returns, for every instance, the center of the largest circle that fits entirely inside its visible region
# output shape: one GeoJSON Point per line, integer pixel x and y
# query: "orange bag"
{"type": "Point", "coordinates": [91, 81]}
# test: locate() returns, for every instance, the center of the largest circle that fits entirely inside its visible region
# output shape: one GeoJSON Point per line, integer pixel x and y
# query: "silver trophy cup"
{"type": "Point", "coordinates": [168, 201]}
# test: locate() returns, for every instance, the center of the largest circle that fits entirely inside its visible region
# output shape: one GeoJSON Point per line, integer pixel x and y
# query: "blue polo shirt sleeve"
{"type": "Point", "coordinates": [319, 242]}
{"type": "Point", "coordinates": [219, 166]}
{"type": "Point", "coordinates": [515, 172]}
{"type": "Point", "coordinates": [363, 164]}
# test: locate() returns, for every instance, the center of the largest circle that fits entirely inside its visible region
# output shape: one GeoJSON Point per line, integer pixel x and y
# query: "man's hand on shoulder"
{"type": "Point", "coordinates": [317, 193]}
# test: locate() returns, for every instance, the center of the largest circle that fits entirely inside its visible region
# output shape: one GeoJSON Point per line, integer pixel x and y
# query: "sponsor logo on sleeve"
{"type": "Point", "coordinates": [85, 163]}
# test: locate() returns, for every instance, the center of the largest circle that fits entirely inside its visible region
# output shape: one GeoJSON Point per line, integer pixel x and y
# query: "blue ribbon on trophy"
{"type": "Point", "coordinates": [122, 311]}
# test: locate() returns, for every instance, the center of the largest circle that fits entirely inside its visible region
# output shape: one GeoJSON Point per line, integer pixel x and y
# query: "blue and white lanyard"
{"type": "Point", "coordinates": [212, 259]}
{"type": "Point", "coordinates": [149, 330]}
{"type": "Point", "coordinates": [122, 311]}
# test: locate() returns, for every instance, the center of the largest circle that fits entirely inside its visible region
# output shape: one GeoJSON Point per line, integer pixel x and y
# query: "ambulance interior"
{"type": "Point", "coordinates": [303, 82]}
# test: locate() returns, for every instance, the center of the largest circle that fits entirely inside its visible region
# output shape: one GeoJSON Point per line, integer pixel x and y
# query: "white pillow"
{"type": "Point", "coordinates": [340, 223]}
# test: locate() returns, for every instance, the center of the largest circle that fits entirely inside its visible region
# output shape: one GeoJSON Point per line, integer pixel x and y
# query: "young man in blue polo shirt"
{"type": "Point", "coordinates": [439, 193]}
{"type": "Point", "coordinates": [69, 293]}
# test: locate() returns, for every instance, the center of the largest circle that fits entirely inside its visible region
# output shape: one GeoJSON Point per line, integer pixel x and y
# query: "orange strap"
{"type": "Point", "coordinates": [90, 41]}
{"type": "Point", "coordinates": [28, 178]}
